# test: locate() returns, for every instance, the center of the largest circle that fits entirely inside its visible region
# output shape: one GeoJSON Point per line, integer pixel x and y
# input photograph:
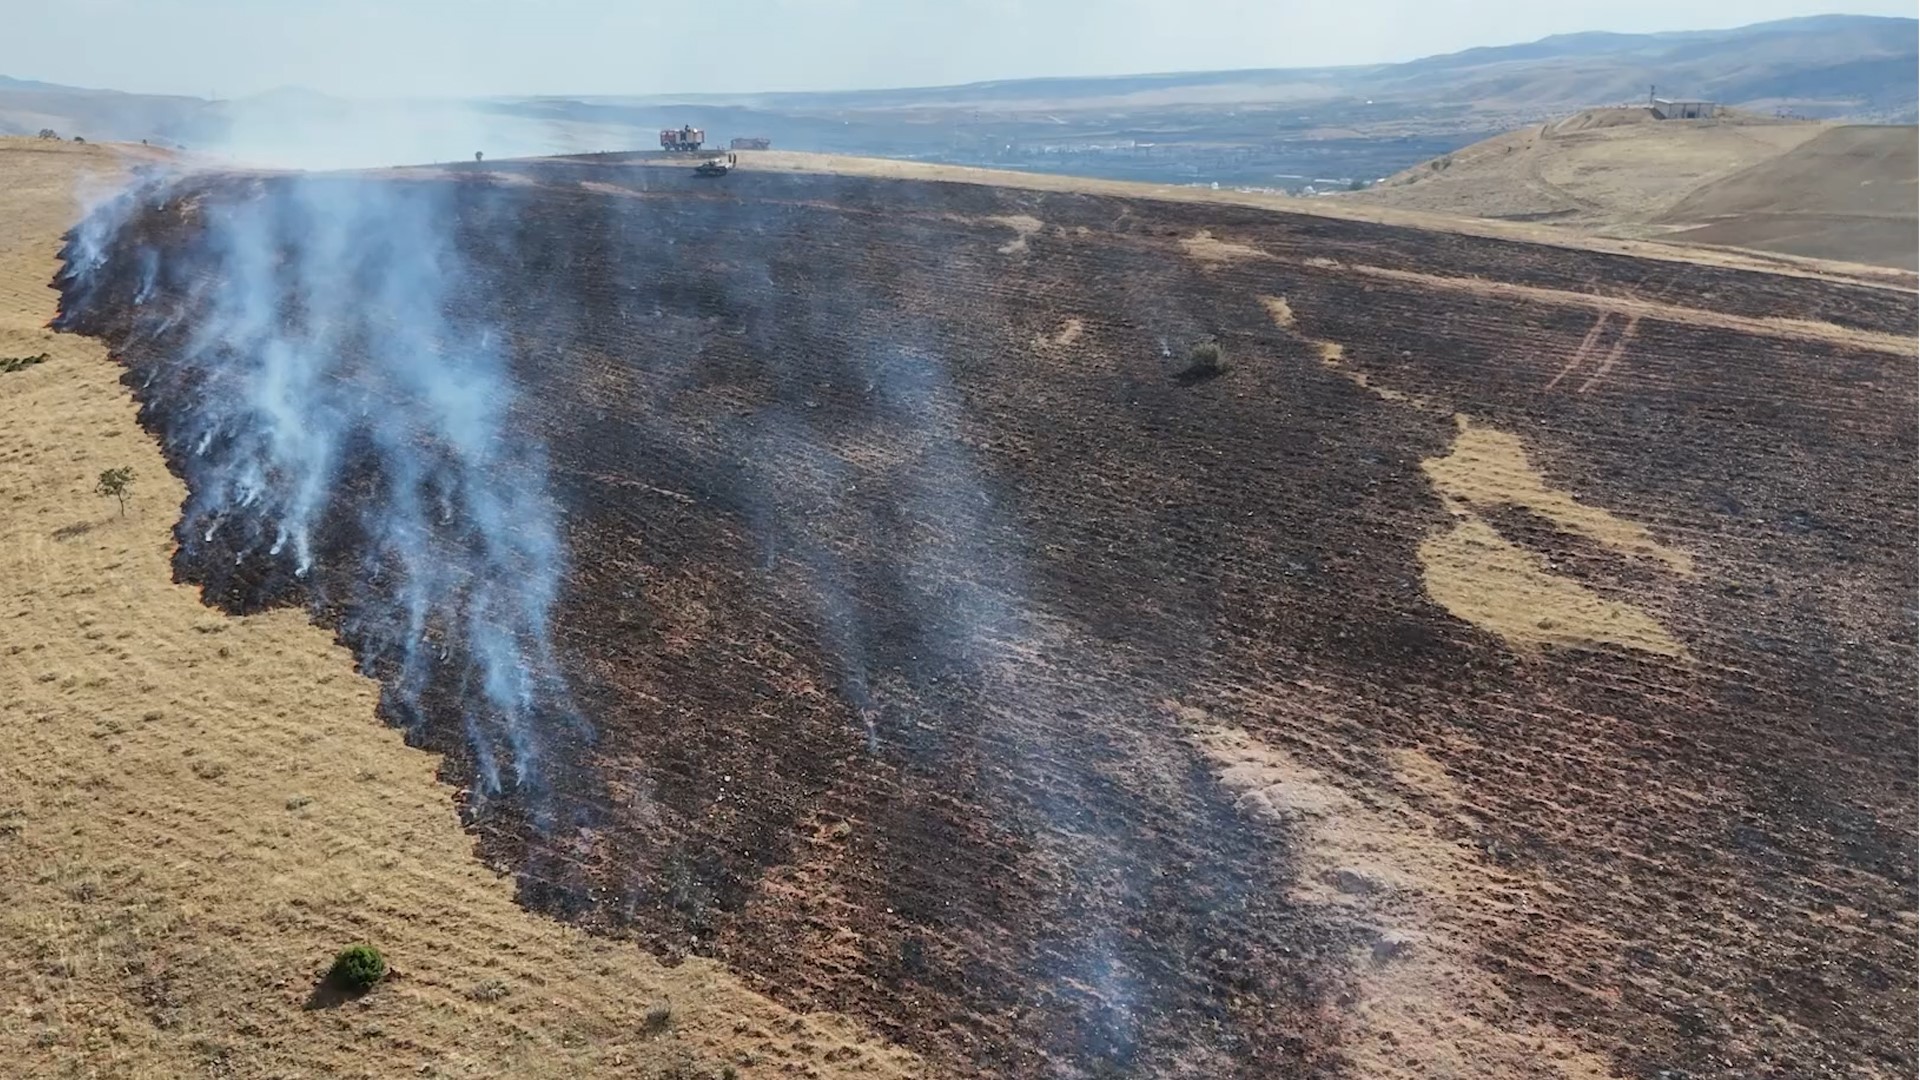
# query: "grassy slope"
{"type": "Point", "coordinates": [1848, 193]}
{"type": "Point", "coordinates": [1618, 173]}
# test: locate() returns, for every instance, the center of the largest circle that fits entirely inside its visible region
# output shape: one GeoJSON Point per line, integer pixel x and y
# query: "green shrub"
{"type": "Point", "coordinates": [357, 968]}
{"type": "Point", "coordinates": [10, 364]}
{"type": "Point", "coordinates": [1204, 359]}
{"type": "Point", "coordinates": [116, 484]}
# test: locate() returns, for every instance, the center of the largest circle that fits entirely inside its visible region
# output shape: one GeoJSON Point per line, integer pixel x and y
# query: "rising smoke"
{"type": "Point", "coordinates": [317, 384]}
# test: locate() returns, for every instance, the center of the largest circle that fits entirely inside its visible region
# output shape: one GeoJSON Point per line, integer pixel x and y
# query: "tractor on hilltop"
{"type": "Point", "coordinates": [687, 139]}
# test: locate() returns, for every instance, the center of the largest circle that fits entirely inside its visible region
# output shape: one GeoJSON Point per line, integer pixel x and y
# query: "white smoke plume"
{"type": "Point", "coordinates": [326, 387]}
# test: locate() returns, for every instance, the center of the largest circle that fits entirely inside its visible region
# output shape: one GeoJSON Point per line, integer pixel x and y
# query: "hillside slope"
{"type": "Point", "coordinates": [197, 810]}
{"type": "Point", "coordinates": [1594, 169]}
{"type": "Point", "coordinates": [1844, 193]}
{"type": "Point", "coordinates": [1826, 65]}
{"type": "Point", "coordinates": [1504, 666]}
{"type": "Point", "coordinates": [1848, 194]}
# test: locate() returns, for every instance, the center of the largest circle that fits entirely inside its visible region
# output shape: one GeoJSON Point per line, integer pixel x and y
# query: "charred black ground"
{"type": "Point", "coordinates": [897, 547]}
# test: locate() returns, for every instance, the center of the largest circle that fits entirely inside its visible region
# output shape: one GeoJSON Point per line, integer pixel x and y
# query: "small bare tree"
{"type": "Point", "coordinates": [117, 483]}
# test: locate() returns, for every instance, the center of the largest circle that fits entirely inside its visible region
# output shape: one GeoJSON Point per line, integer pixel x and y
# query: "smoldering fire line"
{"type": "Point", "coordinates": [318, 380]}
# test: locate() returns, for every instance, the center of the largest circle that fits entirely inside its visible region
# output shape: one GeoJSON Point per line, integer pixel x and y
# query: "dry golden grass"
{"type": "Point", "coordinates": [1609, 170]}
{"type": "Point", "coordinates": [1206, 248]}
{"type": "Point", "coordinates": [196, 811]}
{"type": "Point", "coordinates": [1746, 181]}
{"type": "Point", "coordinates": [1023, 226]}
{"type": "Point", "coordinates": [1482, 578]}
{"type": "Point", "coordinates": [1281, 311]}
{"type": "Point", "coordinates": [1485, 467]}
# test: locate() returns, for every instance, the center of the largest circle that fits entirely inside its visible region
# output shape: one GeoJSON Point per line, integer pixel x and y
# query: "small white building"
{"type": "Point", "coordinates": [1674, 109]}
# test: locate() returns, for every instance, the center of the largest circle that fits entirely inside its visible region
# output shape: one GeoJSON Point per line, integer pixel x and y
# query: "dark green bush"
{"type": "Point", "coordinates": [1204, 358]}
{"type": "Point", "coordinates": [357, 968]}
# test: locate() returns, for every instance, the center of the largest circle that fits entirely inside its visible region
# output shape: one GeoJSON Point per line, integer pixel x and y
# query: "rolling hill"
{"type": "Point", "coordinates": [1848, 193]}
{"type": "Point", "coordinates": [1845, 192]}
{"type": "Point", "coordinates": [1274, 128]}
{"type": "Point", "coordinates": [1500, 664]}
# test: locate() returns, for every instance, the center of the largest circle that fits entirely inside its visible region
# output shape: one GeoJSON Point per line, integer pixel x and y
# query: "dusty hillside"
{"type": "Point", "coordinates": [1597, 168]}
{"type": "Point", "coordinates": [196, 810]}
{"type": "Point", "coordinates": [1849, 193]}
{"type": "Point", "coordinates": [1794, 187]}
{"type": "Point", "coordinates": [1502, 666]}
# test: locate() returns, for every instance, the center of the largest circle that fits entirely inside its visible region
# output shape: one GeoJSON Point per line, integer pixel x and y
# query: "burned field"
{"type": "Point", "coordinates": [1503, 664]}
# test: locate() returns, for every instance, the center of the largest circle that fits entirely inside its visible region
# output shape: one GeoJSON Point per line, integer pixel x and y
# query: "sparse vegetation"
{"type": "Point", "coordinates": [682, 1065]}
{"type": "Point", "coordinates": [117, 483]}
{"type": "Point", "coordinates": [487, 990]}
{"type": "Point", "coordinates": [1204, 361]}
{"type": "Point", "coordinates": [49, 133]}
{"type": "Point", "coordinates": [659, 1016]}
{"type": "Point", "coordinates": [357, 969]}
{"type": "Point", "coordinates": [9, 364]}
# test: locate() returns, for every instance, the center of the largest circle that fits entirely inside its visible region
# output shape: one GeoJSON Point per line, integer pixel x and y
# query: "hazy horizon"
{"type": "Point", "coordinates": [583, 48]}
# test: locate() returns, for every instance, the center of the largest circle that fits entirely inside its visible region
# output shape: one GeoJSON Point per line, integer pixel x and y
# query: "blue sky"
{"type": "Point", "coordinates": [485, 47]}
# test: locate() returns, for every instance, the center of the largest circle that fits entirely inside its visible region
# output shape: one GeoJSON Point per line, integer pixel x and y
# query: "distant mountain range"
{"type": "Point", "coordinates": [1829, 65]}
{"type": "Point", "coordinates": [1849, 62]}
{"type": "Point", "coordinates": [1270, 126]}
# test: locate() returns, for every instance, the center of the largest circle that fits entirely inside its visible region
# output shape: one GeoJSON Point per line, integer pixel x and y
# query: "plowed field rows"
{"type": "Point", "coordinates": [1506, 666]}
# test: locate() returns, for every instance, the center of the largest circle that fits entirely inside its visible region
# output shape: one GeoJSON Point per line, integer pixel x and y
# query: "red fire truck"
{"type": "Point", "coordinates": [686, 138]}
